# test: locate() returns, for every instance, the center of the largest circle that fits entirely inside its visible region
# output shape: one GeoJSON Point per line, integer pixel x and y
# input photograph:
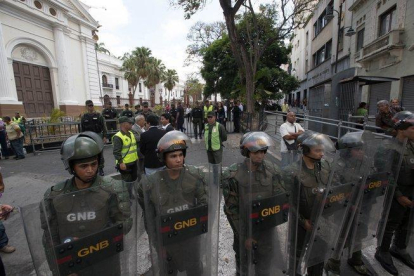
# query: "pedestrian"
{"type": "Point", "coordinates": [148, 145]}
{"type": "Point", "coordinates": [197, 115]}
{"type": "Point", "coordinates": [285, 109]}
{"type": "Point", "coordinates": [125, 150]}
{"type": "Point", "coordinates": [361, 111]}
{"type": "Point", "coordinates": [395, 106]}
{"type": "Point", "coordinates": [383, 119]}
{"type": "Point", "coordinates": [165, 122]}
{"type": "Point", "coordinates": [67, 214]}
{"type": "Point", "coordinates": [180, 117]}
{"type": "Point", "coordinates": [3, 140]}
{"type": "Point", "coordinates": [173, 118]}
{"type": "Point", "coordinates": [110, 115]}
{"type": "Point", "coordinates": [15, 136]}
{"type": "Point", "coordinates": [138, 129]}
{"type": "Point", "coordinates": [244, 183]}
{"type": "Point", "coordinates": [127, 112]}
{"type": "Point", "coordinates": [177, 189]}
{"type": "Point", "coordinates": [167, 108]}
{"type": "Point", "coordinates": [214, 135]}
{"type": "Point", "coordinates": [236, 117]}
{"type": "Point", "coordinates": [5, 211]}
{"type": "Point", "coordinates": [95, 122]}
{"type": "Point", "coordinates": [221, 114]}
{"type": "Point", "coordinates": [18, 119]}
{"type": "Point", "coordinates": [398, 227]}
{"type": "Point", "coordinates": [289, 131]}
{"type": "Point", "coordinates": [188, 113]}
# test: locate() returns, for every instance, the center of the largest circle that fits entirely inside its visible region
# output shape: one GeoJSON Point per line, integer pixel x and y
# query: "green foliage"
{"type": "Point", "coordinates": [171, 78]}
{"type": "Point", "coordinates": [158, 109]}
{"type": "Point", "coordinates": [194, 87]}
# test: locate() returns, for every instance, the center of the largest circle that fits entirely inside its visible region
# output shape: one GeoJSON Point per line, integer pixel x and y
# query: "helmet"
{"type": "Point", "coordinates": [172, 141]}
{"type": "Point", "coordinates": [302, 137]}
{"type": "Point", "coordinates": [81, 146]}
{"type": "Point", "coordinates": [354, 140]}
{"type": "Point", "coordinates": [403, 120]}
{"type": "Point", "coordinates": [255, 141]}
{"type": "Point", "coordinates": [317, 139]}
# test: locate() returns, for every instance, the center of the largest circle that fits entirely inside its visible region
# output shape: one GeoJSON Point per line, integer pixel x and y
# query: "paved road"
{"type": "Point", "coordinates": [26, 180]}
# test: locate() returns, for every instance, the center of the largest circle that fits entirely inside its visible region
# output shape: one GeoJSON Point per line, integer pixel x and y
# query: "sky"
{"type": "Point", "coordinates": [127, 24]}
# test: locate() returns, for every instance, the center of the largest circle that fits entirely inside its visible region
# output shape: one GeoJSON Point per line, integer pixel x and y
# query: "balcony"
{"type": "Point", "coordinates": [107, 85]}
{"type": "Point", "coordinates": [388, 48]}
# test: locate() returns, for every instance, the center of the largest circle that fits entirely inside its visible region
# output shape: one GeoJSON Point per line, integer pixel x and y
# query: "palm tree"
{"type": "Point", "coordinates": [101, 48]}
{"type": "Point", "coordinates": [171, 78]}
{"type": "Point", "coordinates": [136, 66]}
{"type": "Point", "coordinates": [155, 73]}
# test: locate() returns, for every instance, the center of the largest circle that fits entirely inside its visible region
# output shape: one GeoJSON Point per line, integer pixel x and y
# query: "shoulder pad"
{"type": "Point", "coordinates": [272, 167]}
{"type": "Point", "coordinates": [56, 189]}
{"type": "Point", "coordinates": [195, 171]}
{"type": "Point", "coordinates": [230, 171]}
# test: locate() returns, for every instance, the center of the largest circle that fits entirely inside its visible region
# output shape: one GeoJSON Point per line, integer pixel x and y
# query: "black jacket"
{"type": "Point", "coordinates": [169, 128]}
{"type": "Point", "coordinates": [148, 146]}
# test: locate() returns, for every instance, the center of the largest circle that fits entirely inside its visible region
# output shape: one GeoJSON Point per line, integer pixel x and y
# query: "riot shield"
{"type": "Point", "coordinates": [181, 219]}
{"type": "Point", "coordinates": [257, 205]}
{"type": "Point", "coordinates": [84, 232]}
{"type": "Point", "coordinates": [377, 193]}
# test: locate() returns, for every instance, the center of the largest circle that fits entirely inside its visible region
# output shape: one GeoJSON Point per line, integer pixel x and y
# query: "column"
{"type": "Point", "coordinates": [8, 93]}
{"type": "Point", "coordinates": [64, 73]}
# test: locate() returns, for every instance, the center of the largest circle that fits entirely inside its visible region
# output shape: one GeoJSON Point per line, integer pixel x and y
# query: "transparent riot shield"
{"type": "Point", "coordinates": [376, 194]}
{"type": "Point", "coordinates": [314, 178]}
{"type": "Point", "coordinates": [257, 205]}
{"type": "Point", "coordinates": [84, 232]}
{"type": "Point", "coordinates": [181, 219]}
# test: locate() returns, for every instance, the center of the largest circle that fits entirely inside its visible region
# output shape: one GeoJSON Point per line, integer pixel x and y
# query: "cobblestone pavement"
{"type": "Point", "coordinates": [26, 181]}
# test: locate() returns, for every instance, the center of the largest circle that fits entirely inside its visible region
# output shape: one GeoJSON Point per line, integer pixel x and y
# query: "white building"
{"type": "Point", "coordinates": [47, 57]}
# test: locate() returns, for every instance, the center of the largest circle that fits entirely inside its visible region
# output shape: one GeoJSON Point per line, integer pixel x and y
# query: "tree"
{"type": "Point", "coordinates": [155, 73]}
{"type": "Point", "coordinates": [194, 88]}
{"type": "Point", "coordinates": [287, 15]}
{"type": "Point", "coordinates": [171, 78]}
{"type": "Point", "coordinates": [201, 35]}
{"type": "Point", "coordinates": [101, 48]}
{"type": "Point", "coordinates": [136, 66]}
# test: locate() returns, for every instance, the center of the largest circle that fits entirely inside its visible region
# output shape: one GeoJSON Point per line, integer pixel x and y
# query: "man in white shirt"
{"type": "Point", "coordinates": [289, 132]}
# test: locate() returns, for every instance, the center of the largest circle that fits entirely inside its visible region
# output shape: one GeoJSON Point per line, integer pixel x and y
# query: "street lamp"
{"type": "Point", "coordinates": [330, 15]}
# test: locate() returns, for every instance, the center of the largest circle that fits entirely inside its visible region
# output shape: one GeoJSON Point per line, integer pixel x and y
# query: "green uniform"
{"type": "Point", "coordinates": [164, 195]}
{"type": "Point", "coordinates": [238, 193]}
{"type": "Point", "coordinates": [106, 202]}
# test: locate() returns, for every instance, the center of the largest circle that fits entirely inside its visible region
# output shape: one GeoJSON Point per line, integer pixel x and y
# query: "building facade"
{"type": "Point", "coordinates": [351, 51]}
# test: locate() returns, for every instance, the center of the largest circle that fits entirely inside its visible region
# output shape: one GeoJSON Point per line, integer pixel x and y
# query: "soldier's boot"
{"type": "Point", "coordinates": [358, 265]}
{"type": "Point", "coordinates": [385, 259]}
{"type": "Point", "coordinates": [402, 255]}
{"type": "Point", "coordinates": [333, 267]}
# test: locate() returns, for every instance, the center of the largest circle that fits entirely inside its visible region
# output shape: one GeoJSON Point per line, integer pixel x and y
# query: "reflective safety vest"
{"type": "Point", "coordinates": [206, 110]}
{"type": "Point", "coordinates": [215, 136]}
{"type": "Point", "coordinates": [17, 120]}
{"type": "Point", "coordinates": [129, 148]}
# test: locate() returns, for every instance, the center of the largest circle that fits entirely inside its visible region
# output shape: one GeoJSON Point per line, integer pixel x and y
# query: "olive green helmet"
{"type": "Point", "coordinates": [172, 141]}
{"type": "Point", "coordinates": [354, 140]}
{"type": "Point", "coordinates": [302, 137]}
{"type": "Point", "coordinates": [255, 141]}
{"type": "Point", "coordinates": [403, 120]}
{"type": "Point", "coordinates": [317, 139]}
{"type": "Point", "coordinates": [81, 146]}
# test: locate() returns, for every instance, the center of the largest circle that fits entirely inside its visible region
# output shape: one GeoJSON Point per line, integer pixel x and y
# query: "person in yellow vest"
{"type": "Point", "coordinates": [125, 150]}
{"type": "Point", "coordinates": [214, 135]}
{"type": "Point", "coordinates": [207, 108]}
{"type": "Point", "coordinates": [18, 119]}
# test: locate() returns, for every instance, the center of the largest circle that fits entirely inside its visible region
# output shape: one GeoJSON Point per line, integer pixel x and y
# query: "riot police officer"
{"type": "Point", "coordinates": [197, 115]}
{"type": "Point", "coordinates": [169, 196]}
{"type": "Point", "coordinates": [127, 112]}
{"type": "Point", "coordinates": [83, 205]}
{"type": "Point", "coordinates": [348, 168]}
{"type": "Point", "coordinates": [314, 175]}
{"type": "Point", "coordinates": [243, 183]}
{"type": "Point", "coordinates": [402, 203]}
{"type": "Point", "coordinates": [95, 122]}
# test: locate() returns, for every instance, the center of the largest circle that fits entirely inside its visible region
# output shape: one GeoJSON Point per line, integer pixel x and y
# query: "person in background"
{"type": "Point", "coordinates": [214, 135]}
{"type": "Point", "coordinates": [236, 116]}
{"type": "Point", "coordinates": [395, 106]}
{"type": "Point", "coordinates": [15, 136]}
{"type": "Point", "coordinates": [361, 111]}
{"type": "Point", "coordinates": [173, 113]}
{"type": "Point", "coordinates": [289, 131]}
{"type": "Point", "coordinates": [197, 115]}
{"type": "Point", "coordinates": [137, 130]}
{"type": "Point", "coordinates": [5, 211]}
{"type": "Point", "coordinates": [383, 119]}
{"type": "Point", "coordinates": [188, 113]}
{"type": "Point", "coordinates": [148, 145]}
{"type": "Point", "coordinates": [110, 113]}
{"type": "Point", "coordinates": [221, 114]}
{"type": "Point", "coordinates": [18, 119]}
{"type": "Point", "coordinates": [165, 122]}
{"type": "Point", "coordinates": [285, 109]}
{"type": "Point", "coordinates": [180, 117]}
{"type": "Point", "coordinates": [127, 112]}
{"type": "Point", "coordinates": [3, 140]}
{"type": "Point", "coordinates": [138, 109]}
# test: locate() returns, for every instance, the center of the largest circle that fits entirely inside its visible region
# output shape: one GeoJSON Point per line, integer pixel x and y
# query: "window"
{"type": "Point", "coordinates": [360, 39]}
{"type": "Point", "coordinates": [387, 21]}
{"type": "Point", "coordinates": [306, 66]}
{"type": "Point", "coordinates": [116, 83]}
{"type": "Point", "coordinates": [104, 79]}
{"type": "Point", "coordinates": [38, 4]}
{"type": "Point", "coordinates": [307, 38]}
{"type": "Point", "coordinates": [140, 87]}
{"type": "Point", "coordinates": [341, 39]}
{"type": "Point", "coordinates": [322, 20]}
{"type": "Point", "coordinates": [322, 54]}
{"type": "Point", "coordinates": [52, 11]}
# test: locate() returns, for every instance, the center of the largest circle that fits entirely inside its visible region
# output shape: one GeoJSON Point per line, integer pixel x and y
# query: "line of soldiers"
{"type": "Point", "coordinates": [333, 200]}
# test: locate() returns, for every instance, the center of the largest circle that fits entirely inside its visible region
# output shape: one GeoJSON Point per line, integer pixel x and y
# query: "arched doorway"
{"type": "Point", "coordinates": [33, 80]}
